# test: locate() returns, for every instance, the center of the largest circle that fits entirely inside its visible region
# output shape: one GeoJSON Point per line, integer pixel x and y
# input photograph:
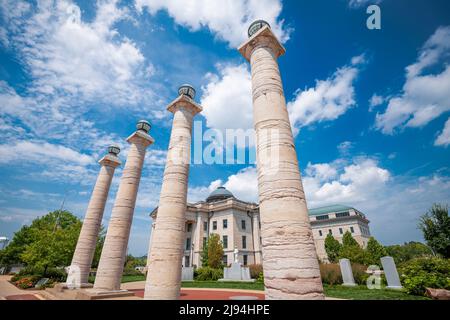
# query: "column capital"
{"type": "Point", "coordinates": [110, 160]}
{"type": "Point", "coordinates": [264, 37]}
{"type": "Point", "coordinates": [184, 102]}
{"type": "Point", "coordinates": [141, 137]}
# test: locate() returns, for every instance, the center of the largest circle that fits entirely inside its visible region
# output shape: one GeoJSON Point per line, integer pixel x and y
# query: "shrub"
{"type": "Point", "coordinates": [26, 282]}
{"type": "Point", "coordinates": [208, 273]}
{"type": "Point", "coordinates": [359, 273]}
{"type": "Point", "coordinates": [421, 273]}
{"type": "Point", "coordinates": [260, 277]}
{"type": "Point", "coordinates": [255, 270]}
{"type": "Point", "coordinates": [330, 273]}
{"type": "Point", "coordinates": [131, 272]}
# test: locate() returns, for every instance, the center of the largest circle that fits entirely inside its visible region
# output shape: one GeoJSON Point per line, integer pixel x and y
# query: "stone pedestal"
{"type": "Point", "coordinates": [291, 267]}
{"type": "Point", "coordinates": [109, 272]}
{"type": "Point", "coordinates": [165, 260]}
{"type": "Point", "coordinates": [391, 273]}
{"type": "Point", "coordinates": [187, 274]}
{"type": "Point", "coordinates": [84, 252]}
{"type": "Point", "coordinates": [347, 273]}
{"type": "Point", "coordinates": [237, 273]}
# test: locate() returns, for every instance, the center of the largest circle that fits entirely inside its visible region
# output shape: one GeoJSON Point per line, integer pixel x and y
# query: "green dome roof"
{"type": "Point", "coordinates": [219, 194]}
{"type": "Point", "coordinates": [329, 209]}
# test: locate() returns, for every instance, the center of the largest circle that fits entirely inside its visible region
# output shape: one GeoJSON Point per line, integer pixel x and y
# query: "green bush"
{"type": "Point", "coordinates": [421, 273]}
{"type": "Point", "coordinates": [255, 270]}
{"type": "Point", "coordinates": [208, 273]}
{"type": "Point", "coordinates": [131, 272]}
{"type": "Point", "coordinates": [330, 273]}
{"type": "Point", "coordinates": [359, 273]}
{"type": "Point", "coordinates": [26, 282]}
{"type": "Point", "coordinates": [260, 277]}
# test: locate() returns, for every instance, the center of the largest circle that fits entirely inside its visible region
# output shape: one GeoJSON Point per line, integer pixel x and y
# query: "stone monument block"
{"type": "Point", "coordinates": [187, 274]}
{"type": "Point", "coordinates": [347, 273]}
{"type": "Point", "coordinates": [391, 273]}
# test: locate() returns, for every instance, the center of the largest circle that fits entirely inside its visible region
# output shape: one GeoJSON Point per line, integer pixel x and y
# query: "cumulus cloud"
{"type": "Point", "coordinates": [444, 137]}
{"type": "Point", "coordinates": [393, 203]}
{"type": "Point", "coordinates": [227, 95]}
{"type": "Point", "coordinates": [66, 55]}
{"type": "Point", "coordinates": [228, 20]}
{"type": "Point", "coordinates": [329, 99]}
{"type": "Point", "coordinates": [41, 152]}
{"type": "Point", "coordinates": [425, 96]}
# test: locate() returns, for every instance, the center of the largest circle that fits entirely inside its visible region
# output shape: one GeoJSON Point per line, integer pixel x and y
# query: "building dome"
{"type": "Point", "coordinates": [219, 194]}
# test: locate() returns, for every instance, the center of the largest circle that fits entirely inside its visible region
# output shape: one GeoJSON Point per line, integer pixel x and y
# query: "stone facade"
{"type": "Point", "coordinates": [206, 217]}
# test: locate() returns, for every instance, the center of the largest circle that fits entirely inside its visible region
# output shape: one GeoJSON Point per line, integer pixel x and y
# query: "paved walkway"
{"type": "Point", "coordinates": [9, 291]}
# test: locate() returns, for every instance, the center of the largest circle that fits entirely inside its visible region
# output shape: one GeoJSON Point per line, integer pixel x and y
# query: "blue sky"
{"type": "Point", "coordinates": [369, 108]}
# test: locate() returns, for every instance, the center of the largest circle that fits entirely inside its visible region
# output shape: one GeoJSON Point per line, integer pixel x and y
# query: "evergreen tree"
{"type": "Point", "coordinates": [215, 251]}
{"type": "Point", "coordinates": [375, 251]}
{"type": "Point", "coordinates": [333, 248]}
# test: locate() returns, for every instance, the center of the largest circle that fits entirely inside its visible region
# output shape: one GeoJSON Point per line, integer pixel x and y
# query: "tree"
{"type": "Point", "coordinates": [48, 242]}
{"type": "Point", "coordinates": [348, 240]}
{"type": "Point", "coordinates": [352, 250]}
{"type": "Point", "coordinates": [333, 248]}
{"type": "Point", "coordinates": [204, 256]}
{"type": "Point", "coordinates": [375, 251]}
{"type": "Point", "coordinates": [408, 251]}
{"type": "Point", "coordinates": [435, 226]}
{"type": "Point", "coordinates": [215, 251]}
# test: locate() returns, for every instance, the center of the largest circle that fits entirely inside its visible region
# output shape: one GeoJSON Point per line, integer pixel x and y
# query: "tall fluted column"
{"type": "Point", "coordinates": [112, 259]}
{"type": "Point", "coordinates": [87, 241]}
{"type": "Point", "coordinates": [164, 264]}
{"type": "Point", "coordinates": [291, 267]}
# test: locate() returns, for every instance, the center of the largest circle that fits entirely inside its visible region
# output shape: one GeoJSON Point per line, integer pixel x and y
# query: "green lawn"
{"type": "Point", "coordinates": [336, 291]}
{"type": "Point", "coordinates": [227, 285]}
{"type": "Point", "coordinates": [363, 293]}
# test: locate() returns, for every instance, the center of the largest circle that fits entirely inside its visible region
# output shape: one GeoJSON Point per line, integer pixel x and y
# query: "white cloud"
{"type": "Point", "coordinates": [67, 55]}
{"type": "Point", "coordinates": [375, 101]}
{"type": "Point", "coordinates": [444, 138]}
{"type": "Point", "coordinates": [41, 152]}
{"type": "Point", "coordinates": [244, 184]}
{"type": "Point", "coordinates": [424, 96]}
{"type": "Point", "coordinates": [361, 3]}
{"type": "Point", "coordinates": [328, 100]}
{"type": "Point", "coordinates": [228, 20]}
{"type": "Point", "coordinates": [226, 96]}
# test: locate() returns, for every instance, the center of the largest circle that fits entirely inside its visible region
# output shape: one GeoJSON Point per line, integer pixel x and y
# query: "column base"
{"type": "Point", "coordinates": [98, 294]}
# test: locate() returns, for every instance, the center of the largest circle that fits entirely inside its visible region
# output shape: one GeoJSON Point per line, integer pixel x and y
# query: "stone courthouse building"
{"type": "Point", "coordinates": [238, 224]}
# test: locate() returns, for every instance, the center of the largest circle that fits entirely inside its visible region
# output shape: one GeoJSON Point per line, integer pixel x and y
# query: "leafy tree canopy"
{"type": "Point", "coordinates": [332, 248]}
{"type": "Point", "coordinates": [215, 251]}
{"type": "Point", "coordinates": [435, 225]}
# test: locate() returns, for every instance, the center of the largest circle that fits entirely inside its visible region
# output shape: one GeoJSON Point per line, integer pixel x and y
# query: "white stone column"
{"type": "Point", "coordinates": [291, 267]}
{"type": "Point", "coordinates": [87, 241]}
{"type": "Point", "coordinates": [198, 236]}
{"type": "Point", "coordinates": [112, 259]}
{"type": "Point", "coordinates": [165, 260]}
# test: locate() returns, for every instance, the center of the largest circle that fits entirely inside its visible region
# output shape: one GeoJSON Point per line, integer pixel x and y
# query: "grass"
{"type": "Point", "coordinates": [332, 291]}
{"type": "Point", "coordinates": [363, 293]}
{"type": "Point", "coordinates": [226, 285]}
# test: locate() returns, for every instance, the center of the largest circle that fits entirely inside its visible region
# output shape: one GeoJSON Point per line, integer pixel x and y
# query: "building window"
{"type": "Point", "coordinates": [225, 259]}
{"type": "Point", "coordinates": [323, 217]}
{"type": "Point", "coordinates": [320, 232]}
{"type": "Point", "coordinates": [188, 243]}
{"type": "Point", "coordinates": [204, 242]}
{"type": "Point", "coordinates": [225, 242]}
{"type": "Point", "coordinates": [205, 226]}
{"type": "Point", "coordinates": [225, 223]}
{"type": "Point", "coordinates": [189, 227]}
{"type": "Point", "coordinates": [187, 261]}
{"type": "Point", "coordinates": [342, 214]}
{"type": "Point", "coordinates": [214, 225]}
{"type": "Point", "coordinates": [245, 259]}
{"type": "Point", "coordinates": [243, 224]}
{"type": "Point", "coordinates": [244, 242]}
{"type": "Point", "coordinates": [330, 231]}
{"type": "Point", "coordinates": [340, 231]}
{"type": "Point", "coordinates": [352, 230]}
